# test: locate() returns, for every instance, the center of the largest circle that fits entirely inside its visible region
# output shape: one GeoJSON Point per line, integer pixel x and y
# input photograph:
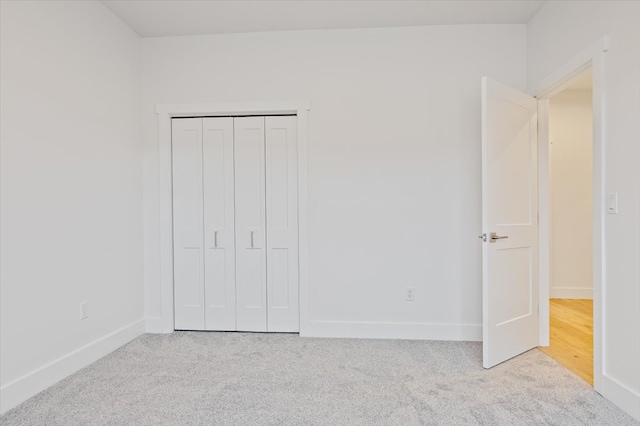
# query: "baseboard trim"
{"type": "Point", "coordinates": [571, 293]}
{"type": "Point", "coordinates": [23, 388]}
{"type": "Point", "coordinates": [622, 396]}
{"type": "Point", "coordinates": [393, 330]}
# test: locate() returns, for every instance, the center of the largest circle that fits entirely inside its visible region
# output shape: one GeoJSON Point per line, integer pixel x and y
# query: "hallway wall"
{"type": "Point", "coordinates": [571, 156]}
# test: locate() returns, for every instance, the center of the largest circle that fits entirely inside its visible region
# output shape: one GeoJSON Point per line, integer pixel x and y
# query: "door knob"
{"type": "Point", "coordinates": [495, 237]}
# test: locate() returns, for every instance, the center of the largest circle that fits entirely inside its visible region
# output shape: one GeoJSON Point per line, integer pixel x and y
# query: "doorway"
{"type": "Point", "coordinates": [511, 156]}
{"type": "Point", "coordinates": [571, 227]}
{"type": "Point", "coordinates": [165, 323]}
{"type": "Point", "coordinates": [235, 223]}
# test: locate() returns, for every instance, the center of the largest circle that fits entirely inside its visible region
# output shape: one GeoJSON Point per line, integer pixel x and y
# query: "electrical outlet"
{"type": "Point", "coordinates": [84, 310]}
{"type": "Point", "coordinates": [410, 294]}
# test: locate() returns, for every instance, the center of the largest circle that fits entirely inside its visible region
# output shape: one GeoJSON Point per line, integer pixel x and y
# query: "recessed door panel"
{"type": "Point", "coordinates": [251, 282]}
{"type": "Point", "coordinates": [282, 223]}
{"type": "Point", "coordinates": [188, 245]}
{"type": "Point", "coordinates": [219, 236]}
{"type": "Point", "coordinates": [216, 290]}
{"type": "Point", "coordinates": [253, 291]}
{"type": "Point", "coordinates": [279, 283]}
{"type": "Point", "coordinates": [514, 302]}
{"type": "Point", "coordinates": [510, 171]}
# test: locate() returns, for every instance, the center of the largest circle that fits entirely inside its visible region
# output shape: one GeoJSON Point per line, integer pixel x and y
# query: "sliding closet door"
{"type": "Point", "coordinates": [188, 241]}
{"type": "Point", "coordinates": [251, 288]}
{"type": "Point", "coordinates": [219, 237]}
{"type": "Point", "coordinates": [282, 224]}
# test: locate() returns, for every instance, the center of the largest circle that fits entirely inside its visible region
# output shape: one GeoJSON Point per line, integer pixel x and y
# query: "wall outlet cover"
{"type": "Point", "coordinates": [410, 294]}
{"type": "Point", "coordinates": [84, 310]}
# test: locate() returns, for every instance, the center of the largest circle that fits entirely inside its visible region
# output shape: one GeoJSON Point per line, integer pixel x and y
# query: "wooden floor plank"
{"type": "Point", "coordinates": [571, 335]}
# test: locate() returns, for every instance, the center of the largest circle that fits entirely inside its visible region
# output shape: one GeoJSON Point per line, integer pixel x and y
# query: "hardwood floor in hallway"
{"type": "Point", "coordinates": [571, 335]}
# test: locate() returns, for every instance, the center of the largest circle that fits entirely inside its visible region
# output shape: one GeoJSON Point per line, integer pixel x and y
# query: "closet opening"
{"type": "Point", "coordinates": [235, 222]}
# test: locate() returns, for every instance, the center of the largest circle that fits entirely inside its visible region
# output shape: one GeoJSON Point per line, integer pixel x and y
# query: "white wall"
{"type": "Point", "coordinates": [571, 160]}
{"type": "Point", "coordinates": [555, 34]}
{"type": "Point", "coordinates": [71, 190]}
{"type": "Point", "coordinates": [394, 160]}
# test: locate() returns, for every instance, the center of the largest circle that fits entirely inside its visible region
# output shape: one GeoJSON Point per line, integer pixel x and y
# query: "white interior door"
{"type": "Point", "coordinates": [509, 221]}
{"type": "Point", "coordinates": [188, 224]}
{"type": "Point", "coordinates": [219, 237]}
{"type": "Point", "coordinates": [251, 282]}
{"type": "Point", "coordinates": [282, 224]}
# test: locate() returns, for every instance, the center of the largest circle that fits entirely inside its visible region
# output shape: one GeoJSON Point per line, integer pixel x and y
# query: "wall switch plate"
{"type": "Point", "coordinates": [84, 310]}
{"type": "Point", "coordinates": [612, 203]}
{"type": "Point", "coordinates": [411, 294]}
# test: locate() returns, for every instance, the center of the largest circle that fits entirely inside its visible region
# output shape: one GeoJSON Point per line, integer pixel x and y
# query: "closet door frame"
{"type": "Point", "coordinates": [163, 321]}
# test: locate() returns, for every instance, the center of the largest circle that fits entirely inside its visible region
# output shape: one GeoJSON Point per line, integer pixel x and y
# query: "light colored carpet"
{"type": "Point", "coordinates": [188, 378]}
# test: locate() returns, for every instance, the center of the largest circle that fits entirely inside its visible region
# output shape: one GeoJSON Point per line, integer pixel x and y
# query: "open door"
{"type": "Point", "coordinates": [509, 223]}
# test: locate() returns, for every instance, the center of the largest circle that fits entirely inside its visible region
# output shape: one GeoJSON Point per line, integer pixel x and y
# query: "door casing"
{"type": "Point", "coordinates": [594, 58]}
{"type": "Point", "coordinates": [165, 322]}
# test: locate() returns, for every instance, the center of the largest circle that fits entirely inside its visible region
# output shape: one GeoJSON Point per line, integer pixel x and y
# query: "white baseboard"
{"type": "Point", "coordinates": [369, 330]}
{"type": "Point", "coordinates": [570, 293]}
{"type": "Point", "coordinates": [392, 330]}
{"type": "Point", "coordinates": [155, 325]}
{"type": "Point", "coordinates": [23, 388]}
{"type": "Point", "coordinates": [622, 396]}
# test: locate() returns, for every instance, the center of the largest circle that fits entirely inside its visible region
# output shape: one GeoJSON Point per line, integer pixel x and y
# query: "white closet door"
{"type": "Point", "coordinates": [282, 224]}
{"type": "Point", "coordinates": [188, 224]}
{"type": "Point", "coordinates": [251, 288]}
{"type": "Point", "coordinates": [219, 238]}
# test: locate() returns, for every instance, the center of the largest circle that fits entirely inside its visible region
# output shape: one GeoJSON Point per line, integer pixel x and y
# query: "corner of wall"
{"type": "Point", "coordinates": [34, 382]}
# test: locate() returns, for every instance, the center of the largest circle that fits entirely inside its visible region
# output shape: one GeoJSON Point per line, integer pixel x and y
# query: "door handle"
{"type": "Point", "coordinates": [495, 237]}
{"type": "Point", "coordinates": [215, 238]}
{"type": "Point", "coordinates": [252, 239]}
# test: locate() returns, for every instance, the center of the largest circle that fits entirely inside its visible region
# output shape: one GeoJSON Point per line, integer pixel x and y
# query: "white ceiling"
{"type": "Point", "coordinates": [158, 18]}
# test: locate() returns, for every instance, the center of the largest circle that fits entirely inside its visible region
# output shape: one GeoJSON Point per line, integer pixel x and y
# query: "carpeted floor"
{"type": "Point", "coordinates": [190, 378]}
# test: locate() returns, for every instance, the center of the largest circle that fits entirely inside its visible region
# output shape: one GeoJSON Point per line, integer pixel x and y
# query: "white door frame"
{"type": "Point", "coordinates": [594, 58]}
{"type": "Point", "coordinates": [165, 113]}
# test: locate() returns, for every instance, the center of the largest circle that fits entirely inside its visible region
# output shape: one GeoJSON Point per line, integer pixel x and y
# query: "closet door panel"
{"type": "Point", "coordinates": [282, 224]}
{"type": "Point", "coordinates": [219, 237]}
{"type": "Point", "coordinates": [188, 224]}
{"type": "Point", "coordinates": [249, 157]}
